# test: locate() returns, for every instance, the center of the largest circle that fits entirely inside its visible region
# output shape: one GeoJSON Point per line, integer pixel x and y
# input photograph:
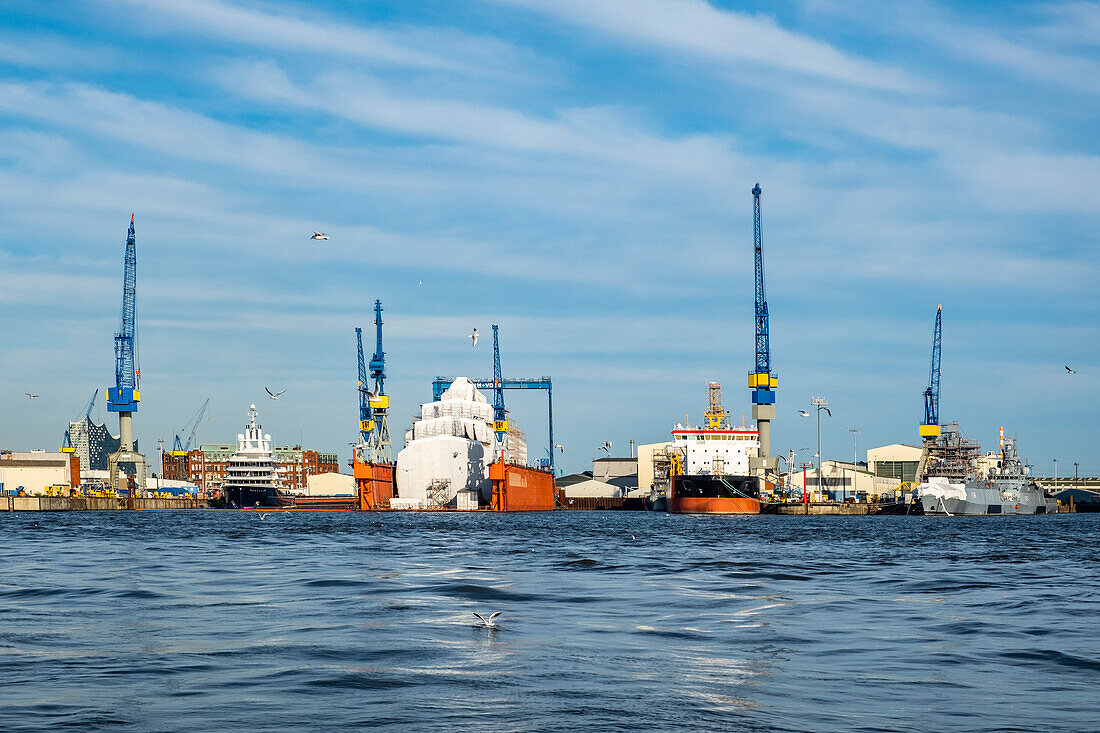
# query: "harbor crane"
{"type": "Point", "coordinates": [374, 426]}
{"type": "Point", "coordinates": [930, 428]}
{"type": "Point", "coordinates": [179, 448]}
{"type": "Point", "coordinates": [500, 419]}
{"type": "Point", "coordinates": [124, 397]}
{"type": "Point", "coordinates": [762, 380]}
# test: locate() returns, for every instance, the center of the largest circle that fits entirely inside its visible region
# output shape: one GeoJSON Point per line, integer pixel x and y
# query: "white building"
{"type": "Point", "coordinates": [449, 449]}
{"type": "Point", "coordinates": [33, 471]}
{"type": "Point", "coordinates": [330, 484]}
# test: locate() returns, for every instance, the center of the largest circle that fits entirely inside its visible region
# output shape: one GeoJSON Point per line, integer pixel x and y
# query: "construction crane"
{"type": "Point", "coordinates": [762, 381]}
{"type": "Point", "coordinates": [179, 448]}
{"type": "Point", "coordinates": [500, 420]}
{"type": "Point", "coordinates": [124, 397]}
{"type": "Point", "coordinates": [382, 446]}
{"type": "Point", "coordinates": [930, 428]}
{"type": "Point", "coordinates": [366, 419]}
{"type": "Point", "coordinates": [67, 445]}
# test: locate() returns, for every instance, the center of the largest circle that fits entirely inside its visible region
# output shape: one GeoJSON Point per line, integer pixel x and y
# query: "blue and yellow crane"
{"type": "Point", "coordinates": [762, 380]}
{"type": "Point", "coordinates": [500, 418]}
{"type": "Point", "coordinates": [930, 428]}
{"type": "Point", "coordinates": [123, 398]}
{"type": "Point", "coordinates": [374, 426]}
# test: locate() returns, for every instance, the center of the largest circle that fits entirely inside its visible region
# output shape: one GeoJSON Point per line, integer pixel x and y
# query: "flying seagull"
{"type": "Point", "coordinates": [264, 516]}
{"type": "Point", "coordinates": [319, 235]}
{"type": "Point", "coordinates": [273, 395]}
{"type": "Point", "coordinates": [488, 622]}
{"type": "Point", "coordinates": [803, 413]}
{"type": "Point", "coordinates": [32, 396]}
{"type": "Point", "coordinates": [560, 447]}
{"type": "Point", "coordinates": [828, 411]}
{"type": "Point", "coordinates": [370, 395]}
{"type": "Point", "coordinates": [606, 447]}
{"type": "Point", "coordinates": [1071, 371]}
{"type": "Point", "coordinates": [473, 337]}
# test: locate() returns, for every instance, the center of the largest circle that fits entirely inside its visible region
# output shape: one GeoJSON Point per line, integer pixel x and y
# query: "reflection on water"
{"type": "Point", "coordinates": [207, 621]}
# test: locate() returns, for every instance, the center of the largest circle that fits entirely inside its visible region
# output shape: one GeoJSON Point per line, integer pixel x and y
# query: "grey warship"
{"type": "Point", "coordinates": [1006, 489]}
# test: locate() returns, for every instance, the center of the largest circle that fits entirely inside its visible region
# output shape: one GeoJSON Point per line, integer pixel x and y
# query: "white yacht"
{"type": "Point", "coordinates": [252, 476]}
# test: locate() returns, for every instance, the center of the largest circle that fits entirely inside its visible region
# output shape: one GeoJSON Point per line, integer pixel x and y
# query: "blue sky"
{"type": "Point", "coordinates": [576, 171]}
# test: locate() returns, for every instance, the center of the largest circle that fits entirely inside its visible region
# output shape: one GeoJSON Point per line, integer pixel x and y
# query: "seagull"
{"type": "Point", "coordinates": [370, 395]}
{"type": "Point", "coordinates": [273, 395]}
{"type": "Point", "coordinates": [473, 337]}
{"type": "Point", "coordinates": [35, 397]}
{"type": "Point", "coordinates": [560, 447]}
{"type": "Point", "coordinates": [803, 413]}
{"type": "Point", "coordinates": [1068, 370]}
{"type": "Point", "coordinates": [828, 411]}
{"type": "Point", "coordinates": [419, 282]}
{"type": "Point", "coordinates": [606, 447]}
{"type": "Point", "coordinates": [488, 622]}
{"type": "Point", "coordinates": [264, 516]}
{"type": "Point", "coordinates": [319, 235]}
{"type": "Point", "coordinates": [631, 536]}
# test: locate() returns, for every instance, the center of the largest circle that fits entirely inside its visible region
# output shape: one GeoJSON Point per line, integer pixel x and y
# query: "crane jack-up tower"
{"type": "Point", "coordinates": [762, 380]}
{"type": "Point", "coordinates": [124, 397]}
{"type": "Point", "coordinates": [372, 461]}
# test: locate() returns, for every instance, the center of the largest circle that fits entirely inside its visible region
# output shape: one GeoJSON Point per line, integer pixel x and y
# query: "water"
{"type": "Point", "coordinates": [332, 621]}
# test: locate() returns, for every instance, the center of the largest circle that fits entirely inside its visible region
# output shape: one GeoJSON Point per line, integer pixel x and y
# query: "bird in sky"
{"type": "Point", "coordinates": [32, 396]}
{"type": "Point", "coordinates": [365, 390]}
{"type": "Point", "coordinates": [319, 235]}
{"type": "Point", "coordinates": [473, 337]}
{"type": "Point", "coordinates": [419, 282]}
{"type": "Point", "coordinates": [490, 622]}
{"type": "Point", "coordinates": [606, 447]}
{"type": "Point", "coordinates": [803, 413]}
{"type": "Point", "coordinates": [560, 447]}
{"type": "Point", "coordinates": [273, 395]}
{"type": "Point", "coordinates": [1071, 371]}
{"type": "Point", "coordinates": [828, 411]}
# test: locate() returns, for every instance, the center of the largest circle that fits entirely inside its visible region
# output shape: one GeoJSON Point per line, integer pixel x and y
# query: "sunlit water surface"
{"type": "Point", "coordinates": [616, 621]}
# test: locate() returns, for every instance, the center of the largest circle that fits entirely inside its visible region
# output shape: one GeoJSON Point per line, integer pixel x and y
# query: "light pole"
{"type": "Point", "coordinates": [820, 403]}
{"type": "Point", "coordinates": [1055, 474]}
{"type": "Point", "coordinates": [1075, 474]}
{"type": "Point", "coordinates": [854, 432]}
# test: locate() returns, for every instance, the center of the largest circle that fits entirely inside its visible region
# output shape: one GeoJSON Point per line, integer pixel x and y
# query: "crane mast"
{"type": "Point", "coordinates": [381, 445]}
{"type": "Point", "coordinates": [500, 420]}
{"type": "Point", "coordinates": [762, 381]}
{"type": "Point", "coordinates": [366, 419]}
{"type": "Point", "coordinates": [930, 429]}
{"type": "Point", "coordinates": [124, 397]}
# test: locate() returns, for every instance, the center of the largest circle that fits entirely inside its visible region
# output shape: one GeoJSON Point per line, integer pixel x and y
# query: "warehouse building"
{"type": "Point", "coordinates": [36, 472]}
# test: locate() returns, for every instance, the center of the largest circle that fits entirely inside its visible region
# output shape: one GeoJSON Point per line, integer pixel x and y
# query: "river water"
{"type": "Point", "coordinates": [616, 621]}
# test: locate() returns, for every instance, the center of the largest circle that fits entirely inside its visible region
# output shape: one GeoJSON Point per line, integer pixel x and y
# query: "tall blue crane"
{"type": "Point", "coordinates": [762, 381]}
{"type": "Point", "coordinates": [500, 420]}
{"type": "Point", "coordinates": [124, 397]}
{"type": "Point", "coordinates": [381, 446]}
{"type": "Point", "coordinates": [366, 419]}
{"type": "Point", "coordinates": [931, 426]}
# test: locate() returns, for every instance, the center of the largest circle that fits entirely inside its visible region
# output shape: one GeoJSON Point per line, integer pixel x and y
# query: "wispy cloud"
{"type": "Point", "coordinates": [723, 37]}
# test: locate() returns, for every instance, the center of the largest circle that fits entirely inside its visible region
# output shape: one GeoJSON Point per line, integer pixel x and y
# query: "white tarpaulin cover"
{"type": "Point", "coordinates": [939, 487]}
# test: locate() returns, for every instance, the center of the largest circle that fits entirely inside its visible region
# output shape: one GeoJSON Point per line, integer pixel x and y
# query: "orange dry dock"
{"type": "Point", "coordinates": [375, 484]}
{"type": "Point", "coordinates": [521, 489]}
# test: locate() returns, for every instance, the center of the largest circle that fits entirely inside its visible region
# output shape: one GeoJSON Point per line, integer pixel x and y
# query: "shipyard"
{"type": "Point", "coordinates": [463, 452]}
{"type": "Point", "coordinates": [549, 365]}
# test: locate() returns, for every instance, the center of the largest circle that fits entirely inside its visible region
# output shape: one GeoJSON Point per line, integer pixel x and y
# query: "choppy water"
{"type": "Point", "coordinates": [332, 621]}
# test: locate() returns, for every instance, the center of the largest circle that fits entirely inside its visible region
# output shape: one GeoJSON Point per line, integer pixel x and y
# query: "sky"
{"type": "Point", "coordinates": [576, 171]}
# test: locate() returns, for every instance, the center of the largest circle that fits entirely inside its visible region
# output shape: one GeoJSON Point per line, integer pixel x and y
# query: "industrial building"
{"type": "Point", "coordinates": [36, 472]}
{"type": "Point", "coordinates": [840, 480]}
{"type": "Point", "coordinates": [896, 461]}
{"type": "Point", "coordinates": [206, 466]}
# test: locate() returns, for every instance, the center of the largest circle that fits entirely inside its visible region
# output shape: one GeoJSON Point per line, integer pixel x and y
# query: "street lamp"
{"type": "Point", "coordinates": [1055, 474]}
{"type": "Point", "coordinates": [854, 432]}
{"type": "Point", "coordinates": [821, 404]}
{"type": "Point", "coordinates": [1075, 474]}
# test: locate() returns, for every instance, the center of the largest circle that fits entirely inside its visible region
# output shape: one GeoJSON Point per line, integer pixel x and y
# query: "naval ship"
{"type": "Point", "coordinates": [1006, 489]}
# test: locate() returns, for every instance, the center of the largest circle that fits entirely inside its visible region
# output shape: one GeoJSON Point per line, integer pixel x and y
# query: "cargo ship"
{"type": "Point", "coordinates": [709, 471]}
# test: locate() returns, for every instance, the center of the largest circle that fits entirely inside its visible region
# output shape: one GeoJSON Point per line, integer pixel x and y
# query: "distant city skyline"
{"type": "Point", "coordinates": [577, 172]}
